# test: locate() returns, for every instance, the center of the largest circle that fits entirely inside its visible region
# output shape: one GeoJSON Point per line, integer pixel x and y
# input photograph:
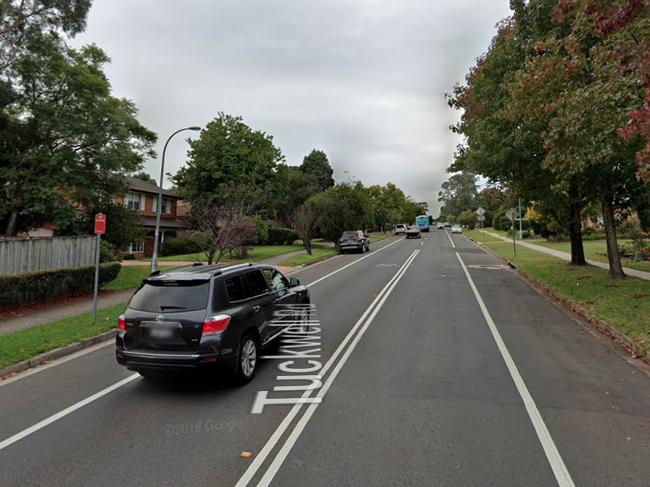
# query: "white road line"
{"type": "Point", "coordinates": [73, 356]}
{"type": "Point", "coordinates": [286, 422]}
{"type": "Point", "coordinates": [281, 456]}
{"type": "Point", "coordinates": [453, 245]}
{"type": "Point", "coordinates": [326, 276]}
{"type": "Point", "coordinates": [560, 470]}
{"type": "Point", "coordinates": [70, 409]}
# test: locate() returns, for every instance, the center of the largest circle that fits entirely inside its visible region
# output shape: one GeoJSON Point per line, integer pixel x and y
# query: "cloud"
{"type": "Point", "coordinates": [362, 80]}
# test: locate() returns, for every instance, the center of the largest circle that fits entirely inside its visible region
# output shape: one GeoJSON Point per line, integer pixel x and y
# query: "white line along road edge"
{"type": "Point", "coordinates": [326, 276]}
{"type": "Point", "coordinates": [453, 245]}
{"type": "Point", "coordinates": [370, 312]}
{"type": "Point", "coordinates": [70, 409]}
{"type": "Point", "coordinates": [560, 470]}
{"type": "Point", "coordinates": [84, 402]}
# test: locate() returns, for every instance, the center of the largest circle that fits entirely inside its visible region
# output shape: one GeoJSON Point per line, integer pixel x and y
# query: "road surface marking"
{"type": "Point", "coordinates": [560, 470]}
{"type": "Point", "coordinates": [453, 245]}
{"type": "Point", "coordinates": [70, 409]}
{"type": "Point", "coordinates": [281, 456]}
{"type": "Point", "coordinates": [326, 276]}
{"type": "Point", "coordinates": [75, 355]}
{"type": "Point", "coordinates": [286, 422]}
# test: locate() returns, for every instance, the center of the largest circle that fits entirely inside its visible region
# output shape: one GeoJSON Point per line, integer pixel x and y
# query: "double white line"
{"type": "Point", "coordinates": [344, 350]}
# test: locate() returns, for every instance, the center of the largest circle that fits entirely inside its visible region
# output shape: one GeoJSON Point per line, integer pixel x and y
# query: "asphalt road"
{"type": "Point", "coordinates": [438, 367]}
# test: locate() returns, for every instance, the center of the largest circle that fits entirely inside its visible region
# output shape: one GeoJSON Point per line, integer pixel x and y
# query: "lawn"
{"type": "Point", "coordinates": [255, 254]}
{"type": "Point", "coordinates": [595, 250]}
{"type": "Point", "coordinates": [377, 236]}
{"type": "Point", "coordinates": [305, 258]}
{"type": "Point", "coordinates": [625, 303]}
{"type": "Point", "coordinates": [24, 344]}
{"type": "Point", "coordinates": [129, 277]}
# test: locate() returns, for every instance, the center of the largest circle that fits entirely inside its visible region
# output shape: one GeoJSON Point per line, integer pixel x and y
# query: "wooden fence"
{"type": "Point", "coordinates": [19, 256]}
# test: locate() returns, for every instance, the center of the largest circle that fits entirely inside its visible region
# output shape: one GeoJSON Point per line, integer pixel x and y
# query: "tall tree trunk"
{"type": "Point", "coordinates": [10, 231]}
{"type": "Point", "coordinates": [575, 232]}
{"type": "Point", "coordinates": [307, 243]}
{"type": "Point", "coordinates": [613, 257]}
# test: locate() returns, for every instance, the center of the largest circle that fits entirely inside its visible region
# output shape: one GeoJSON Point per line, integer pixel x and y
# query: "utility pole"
{"type": "Point", "coordinates": [521, 233]}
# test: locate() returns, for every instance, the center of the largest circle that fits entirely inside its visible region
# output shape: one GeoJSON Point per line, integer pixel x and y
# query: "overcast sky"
{"type": "Point", "coordinates": [363, 80]}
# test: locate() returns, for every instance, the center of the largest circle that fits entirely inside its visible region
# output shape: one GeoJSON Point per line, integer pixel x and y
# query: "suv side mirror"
{"type": "Point", "coordinates": [294, 282]}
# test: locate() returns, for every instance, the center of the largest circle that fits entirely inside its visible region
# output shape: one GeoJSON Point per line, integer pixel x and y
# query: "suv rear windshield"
{"type": "Point", "coordinates": [349, 234]}
{"type": "Point", "coordinates": [171, 296]}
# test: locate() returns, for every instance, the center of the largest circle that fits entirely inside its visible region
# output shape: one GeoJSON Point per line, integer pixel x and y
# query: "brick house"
{"type": "Point", "coordinates": [143, 198]}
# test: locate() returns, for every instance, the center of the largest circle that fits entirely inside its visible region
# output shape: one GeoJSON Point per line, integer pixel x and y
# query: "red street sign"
{"type": "Point", "coordinates": [100, 223]}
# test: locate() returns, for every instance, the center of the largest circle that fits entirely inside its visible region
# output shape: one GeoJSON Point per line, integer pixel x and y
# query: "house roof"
{"type": "Point", "coordinates": [136, 184]}
{"type": "Point", "coordinates": [175, 223]}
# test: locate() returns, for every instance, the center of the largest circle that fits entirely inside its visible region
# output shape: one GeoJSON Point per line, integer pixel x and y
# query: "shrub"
{"type": "Point", "coordinates": [107, 252]}
{"type": "Point", "coordinates": [281, 236]}
{"type": "Point", "coordinates": [496, 218]}
{"type": "Point", "coordinates": [128, 257]}
{"type": "Point", "coordinates": [504, 223]}
{"type": "Point", "coordinates": [43, 286]}
{"type": "Point", "coordinates": [191, 243]}
{"type": "Point", "coordinates": [526, 234]}
{"type": "Point", "coordinates": [468, 218]}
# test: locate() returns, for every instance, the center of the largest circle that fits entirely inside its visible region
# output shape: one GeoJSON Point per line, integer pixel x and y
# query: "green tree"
{"type": "Point", "coordinates": [509, 150]}
{"type": "Point", "coordinates": [301, 187]}
{"type": "Point", "coordinates": [576, 80]}
{"type": "Point", "coordinates": [339, 208]}
{"type": "Point", "coordinates": [468, 218]}
{"type": "Point", "coordinates": [21, 21]}
{"type": "Point", "coordinates": [228, 152]}
{"type": "Point", "coordinates": [317, 165]}
{"type": "Point", "coordinates": [490, 198]}
{"type": "Point", "coordinates": [144, 176]}
{"type": "Point", "coordinates": [64, 139]}
{"type": "Point", "coordinates": [459, 193]}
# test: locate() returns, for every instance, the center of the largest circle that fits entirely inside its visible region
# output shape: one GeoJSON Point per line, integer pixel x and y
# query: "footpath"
{"type": "Point", "coordinates": [106, 299]}
{"type": "Point", "coordinates": [566, 256]}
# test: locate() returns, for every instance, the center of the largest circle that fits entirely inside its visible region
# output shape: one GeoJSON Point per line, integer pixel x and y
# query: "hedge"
{"type": "Point", "coordinates": [43, 286]}
{"type": "Point", "coordinates": [281, 236]}
{"type": "Point", "coordinates": [185, 244]}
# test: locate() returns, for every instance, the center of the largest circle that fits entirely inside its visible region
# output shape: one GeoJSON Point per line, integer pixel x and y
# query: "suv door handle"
{"type": "Point", "coordinates": [256, 308]}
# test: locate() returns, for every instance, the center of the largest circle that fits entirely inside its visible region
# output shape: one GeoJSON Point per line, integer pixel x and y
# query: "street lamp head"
{"type": "Point", "coordinates": [196, 129]}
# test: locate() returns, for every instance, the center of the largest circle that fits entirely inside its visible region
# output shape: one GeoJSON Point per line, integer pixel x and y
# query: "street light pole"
{"type": "Point", "coordinates": [154, 257]}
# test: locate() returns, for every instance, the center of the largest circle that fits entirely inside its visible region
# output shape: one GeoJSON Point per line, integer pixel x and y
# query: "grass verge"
{"type": "Point", "coordinates": [255, 254]}
{"type": "Point", "coordinates": [25, 344]}
{"type": "Point", "coordinates": [317, 254]}
{"type": "Point", "coordinates": [624, 304]}
{"type": "Point", "coordinates": [130, 277]}
{"type": "Point", "coordinates": [595, 250]}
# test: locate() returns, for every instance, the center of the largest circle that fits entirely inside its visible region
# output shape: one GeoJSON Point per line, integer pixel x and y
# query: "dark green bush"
{"type": "Point", "coordinates": [185, 244]}
{"type": "Point", "coordinates": [107, 252]}
{"type": "Point", "coordinates": [281, 236]}
{"type": "Point", "coordinates": [128, 257]}
{"type": "Point", "coordinates": [496, 218]}
{"type": "Point", "coordinates": [43, 286]}
{"type": "Point", "coordinates": [504, 223]}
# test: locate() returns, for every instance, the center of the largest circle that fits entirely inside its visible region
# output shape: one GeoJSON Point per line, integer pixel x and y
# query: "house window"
{"type": "Point", "coordinates": [165, 207]}
{"type": "Point", "coordinates": [133, 201]}
{"type": "Point", "coordinates": [136, 247]}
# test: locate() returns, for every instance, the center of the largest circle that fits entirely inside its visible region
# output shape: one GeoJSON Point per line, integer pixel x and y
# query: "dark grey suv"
{"type": "Point", "coordinates": [198, 317]}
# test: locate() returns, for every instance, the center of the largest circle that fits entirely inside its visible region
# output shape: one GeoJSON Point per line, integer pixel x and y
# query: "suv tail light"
{"type": "Point", "coordinates": [358, 239]}
{"type": "Point", "coordinates": [216, 324]}
{"type": "Point", "coordinates": [121, 323]}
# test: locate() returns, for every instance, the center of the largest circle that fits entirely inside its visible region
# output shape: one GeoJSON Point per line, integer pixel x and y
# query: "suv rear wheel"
{"type": "Point", "coordinates": [247, 359]}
